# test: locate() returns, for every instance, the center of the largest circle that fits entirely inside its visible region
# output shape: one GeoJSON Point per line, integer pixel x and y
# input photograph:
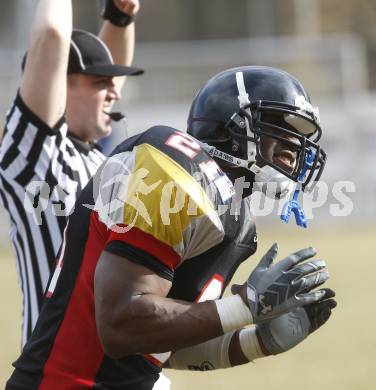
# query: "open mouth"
{"type": "Point", "coordinates": [107, 117]}
{"type": "Point", "coordinates": [285, 159]}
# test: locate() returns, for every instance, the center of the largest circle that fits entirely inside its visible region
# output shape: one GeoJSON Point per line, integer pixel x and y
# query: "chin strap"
{"type": "Point", "coordinates": [293, 206]}
{"type": "Point", "coordinates": [214, 152]}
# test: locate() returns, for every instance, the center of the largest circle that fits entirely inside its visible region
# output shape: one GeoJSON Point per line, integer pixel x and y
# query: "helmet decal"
{"type": "Point", "coordinates": [243, 95]}
{"type": "Point", "coordinates": [304, 105]}
{"type": "Point", "coordinates": [244, 103]}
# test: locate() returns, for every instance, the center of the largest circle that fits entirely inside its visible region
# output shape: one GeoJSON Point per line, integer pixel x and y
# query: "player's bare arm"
{"type": "Point", "coordinates": [133, 314]}
{"type": "Point", "coordinates": [130, 302]}
{"type": "Point", "coordinates": [121, 40]}
{"type": "Point", "coordinates": [43, 84]}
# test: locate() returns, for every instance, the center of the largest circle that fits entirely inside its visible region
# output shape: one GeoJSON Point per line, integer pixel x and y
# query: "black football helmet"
{"type": "Point", "coordinates": [235, 109]}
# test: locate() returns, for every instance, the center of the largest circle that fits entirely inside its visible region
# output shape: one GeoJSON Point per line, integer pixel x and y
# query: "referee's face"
{"type": "Point", "coordinates": [89, 101]}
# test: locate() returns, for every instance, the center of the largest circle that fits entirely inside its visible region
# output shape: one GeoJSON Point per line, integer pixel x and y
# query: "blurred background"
{"type": "Point", "coordinates": [330, 46]}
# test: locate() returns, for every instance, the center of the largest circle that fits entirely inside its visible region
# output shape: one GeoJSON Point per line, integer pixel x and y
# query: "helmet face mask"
{"type": "Point", "coordinates": [289, 126]}
{"type": "Point", "coordinates": [266, 120]}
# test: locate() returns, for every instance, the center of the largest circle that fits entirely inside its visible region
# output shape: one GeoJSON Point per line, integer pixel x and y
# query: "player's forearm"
{"type": "Point", "coordinates": [150, 324]}
{"type": "Point", "coordinates": [268, 338]}
{"type": "Point", "coordinates": [231, 349]}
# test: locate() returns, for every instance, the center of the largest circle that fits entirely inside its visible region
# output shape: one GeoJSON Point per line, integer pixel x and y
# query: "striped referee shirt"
{"type": "Point", "coordinates": [42, 171]}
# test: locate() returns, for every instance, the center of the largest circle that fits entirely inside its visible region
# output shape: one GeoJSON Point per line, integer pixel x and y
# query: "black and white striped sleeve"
{"type": "Point", "coordinates": [28, 145]}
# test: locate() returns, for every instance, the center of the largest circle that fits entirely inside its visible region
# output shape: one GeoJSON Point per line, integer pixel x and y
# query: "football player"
{"type": "Point", "coordinates": [154, 240]}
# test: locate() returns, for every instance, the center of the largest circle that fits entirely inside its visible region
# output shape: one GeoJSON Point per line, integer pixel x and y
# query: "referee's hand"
{"type": "Point", "coordinates": [129, 7]}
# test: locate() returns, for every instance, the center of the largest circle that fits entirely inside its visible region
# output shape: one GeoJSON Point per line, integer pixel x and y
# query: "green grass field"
{"type": "Point", "coordinates": [339, 356]}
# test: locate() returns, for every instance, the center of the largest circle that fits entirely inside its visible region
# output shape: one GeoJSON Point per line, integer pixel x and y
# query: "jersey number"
{"type": "Point", "coordinates": [212, 289]}
{"type": "Point", "coordinates": [184, 144]}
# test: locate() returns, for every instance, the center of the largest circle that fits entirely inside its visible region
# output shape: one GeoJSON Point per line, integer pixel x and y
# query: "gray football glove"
{"type": "Point", "coordinates": [275, 289]}
{"type": "Point", "coordinates": [283, 333]}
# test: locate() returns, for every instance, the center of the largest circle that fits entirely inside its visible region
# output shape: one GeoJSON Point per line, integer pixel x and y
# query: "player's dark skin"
{"type": "Point", "coordinates": [133, 314]}
{"type": "Point", "coordinates": [282, 154]}
{"type": "Point", "coordinates": [130, 303]}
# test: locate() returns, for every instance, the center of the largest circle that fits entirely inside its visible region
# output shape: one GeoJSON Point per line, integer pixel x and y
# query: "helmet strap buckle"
{"type": "Point", "coordinates": [238, 121]}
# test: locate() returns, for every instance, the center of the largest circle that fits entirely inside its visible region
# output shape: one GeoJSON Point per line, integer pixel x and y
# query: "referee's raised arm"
{"type": "Point", "coordinates": [44, 82]}
{"type": "Point", "coordinates": [120, 37]}
{"type": "Point", "coordinates": [49, 151]}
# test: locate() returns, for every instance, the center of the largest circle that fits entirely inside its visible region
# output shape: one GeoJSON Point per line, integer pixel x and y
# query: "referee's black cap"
{"type": "Point", "coordinates": [89, 55]}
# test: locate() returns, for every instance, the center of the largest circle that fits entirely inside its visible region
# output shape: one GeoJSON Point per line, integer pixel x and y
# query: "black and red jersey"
{"type": "Point", "coordinates": [162, 202]}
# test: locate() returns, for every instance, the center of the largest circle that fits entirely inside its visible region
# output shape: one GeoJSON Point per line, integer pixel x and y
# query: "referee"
{"type": "Point", "coordinates": [48, 151]}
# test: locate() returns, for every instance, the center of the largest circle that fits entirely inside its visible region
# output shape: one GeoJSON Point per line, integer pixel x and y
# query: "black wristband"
{"type": "Point", "coordinates": [111, 13]}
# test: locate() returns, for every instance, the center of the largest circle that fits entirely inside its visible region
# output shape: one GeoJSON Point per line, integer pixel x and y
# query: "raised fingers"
{"type": "Point", "coordinates": [269, 257]}
{"type": "Point", "coordinates": [295, 258]}
{"type": "Point", "coordinates": [310, 267]}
